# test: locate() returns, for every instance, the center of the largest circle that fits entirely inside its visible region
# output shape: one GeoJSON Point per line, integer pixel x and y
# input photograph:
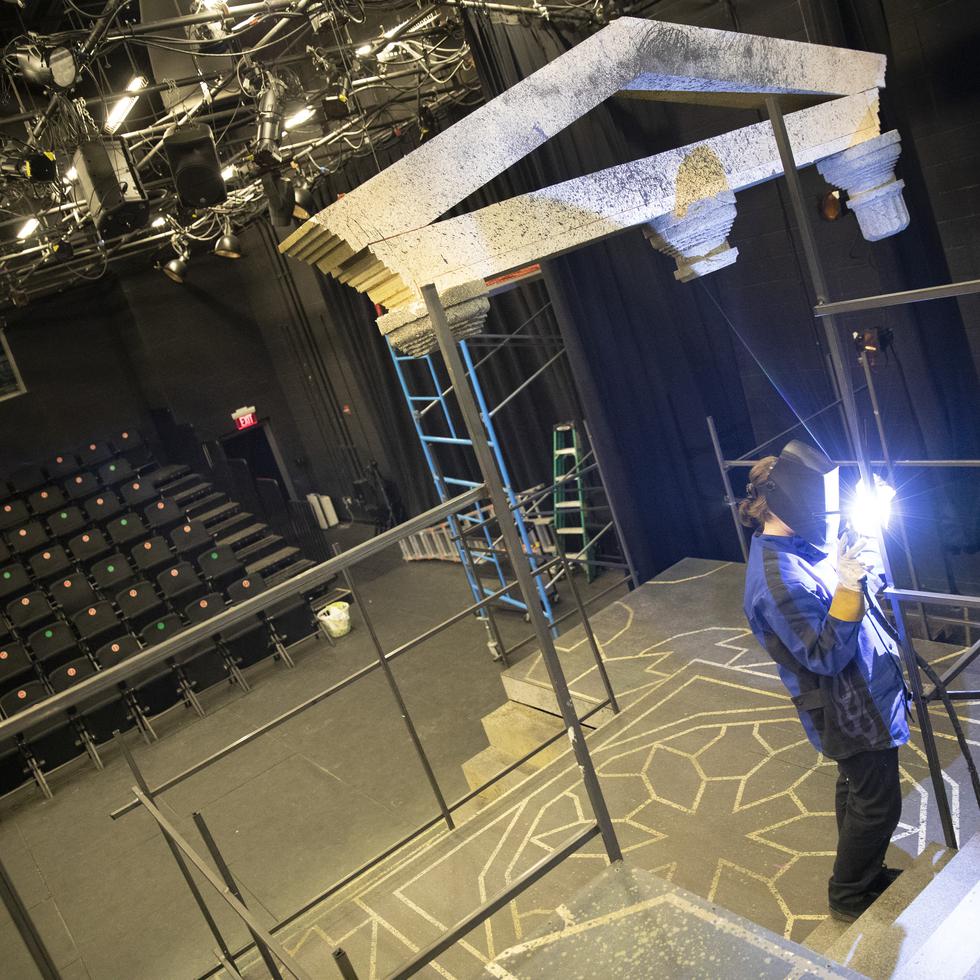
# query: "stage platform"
{"type": "Point", "coordinates": [712, 786]}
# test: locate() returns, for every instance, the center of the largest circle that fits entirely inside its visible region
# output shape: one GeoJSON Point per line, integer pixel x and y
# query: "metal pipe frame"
{"type": "Point", "coordinates": [399, 700]}
{"type": "Point", "coordinates": [316, 699]}
{"type": "Point", "coordinates": [106, 680]}
{"type": "Point", "coordinates": [897, 463]}
{"type": "Point", "coordinates": [730, 499]}
{"type": "Point", "coordinates": [497, 493]}
{"type": "Point", "coordinates": [413, 835]}
{"type": "Point", "coordinates": [452, 935]}
{"type": "Point", "coordinates": [254, 926]}
{"type": "Point", "coordinates": [903, 298]}
{"type": "Point", "coordinates": [845, 392]}
{"type": "Point", "coordinates": [24, 924]}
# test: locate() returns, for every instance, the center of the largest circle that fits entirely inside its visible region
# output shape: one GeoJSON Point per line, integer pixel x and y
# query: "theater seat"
{"type": "Point", "coordinates": [115, 471]}
{"type": "Point", "coordinates": [53, 644]}
{"type": "Point", "coordinates": [51, 563]}
{"type": "Point", "coordinates": [62, 466]}
{"type": "Point", "coordinates": [12, 513]}
{"type": "Point", "coordinates": [137, 493]}
{"type": "Point", "coordinates": [66, 522]}
{"type": "Point", "coordinates": [102, 507]}
{"type": "Point", "coordinates": [27, 538]}
{"type": "Point", "coordinates": [81, 485]}
{"type": "Point", "coordinates": [29, 611]}
{"type": "Point", "coordinates": [126, 529]}
{"type": "Point", "coordinates": [47, 499]}
{"type": "Point", "coordinates": [111, 573]}
{"type": "Point", "coordinates": [94, 453]}
{"type": "Point", "coordinates": [89, 545]}
{"type": "Point", "coordinates": [72, 592]}
{"type": "Point", "coordinates": [139, 604]}
{"type": "Point", "coordinates": [14, 580]}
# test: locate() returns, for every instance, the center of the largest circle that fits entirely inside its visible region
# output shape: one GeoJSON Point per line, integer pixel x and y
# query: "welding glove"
{"type": "Point", "coordinates": [853, 563]}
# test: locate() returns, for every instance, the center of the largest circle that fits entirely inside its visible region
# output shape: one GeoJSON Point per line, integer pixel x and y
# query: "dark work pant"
{"type": "Point", "coordinates": [869, 805]}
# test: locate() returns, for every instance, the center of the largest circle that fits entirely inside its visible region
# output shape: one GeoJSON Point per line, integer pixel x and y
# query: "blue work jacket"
{"type": "Point", "coordinates": [844, 678]}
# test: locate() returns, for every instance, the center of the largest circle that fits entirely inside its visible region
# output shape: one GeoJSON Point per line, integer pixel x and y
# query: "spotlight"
{"type": "Point", "coordinates": [303, 205]}
{"type": "Point", "coordinates": [56, 68]}
{"type": "Point", "coordinates": [158, 222]}
{"type": "Point", "coordinates": [870, 508]}
{"type": "Point", "coordinates": [176, 268]}
{"type": "Point", "coordinates": [281, 196]}
{"type": "Point", "coordinates": [37, 167]}
{"type": "Point", "coordinates": [228, 246]}
{"type": "Point", "coordinates": [831, 206]}
{"type": "Point", "coordinates": [269, 134]}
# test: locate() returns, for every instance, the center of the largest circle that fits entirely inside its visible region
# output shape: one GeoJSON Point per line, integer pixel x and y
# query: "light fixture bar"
{"type": "Point", "coordinates": [28, 228]}
{"type": "Point", "coordinates": [125, 105]}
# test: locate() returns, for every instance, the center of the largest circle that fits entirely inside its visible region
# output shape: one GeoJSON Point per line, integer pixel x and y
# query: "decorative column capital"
{"type": "Point", "coordinates": [697, 240]}
{"type": "Point", "coordinates": [867, 173]}
{"type": "Point", "coordinates": [410, 330]}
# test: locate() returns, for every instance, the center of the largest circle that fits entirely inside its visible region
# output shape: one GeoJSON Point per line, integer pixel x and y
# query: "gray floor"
{"type": "Point", "coordinates": [292, 812]}
{"type": "Point", "coordinates": [709, 780]}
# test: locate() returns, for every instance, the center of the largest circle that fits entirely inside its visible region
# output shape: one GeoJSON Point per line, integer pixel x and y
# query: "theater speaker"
{"type": "Point", "coordinates": [109, 184]}
{"type": "Point", "coordinates": [195, 166]}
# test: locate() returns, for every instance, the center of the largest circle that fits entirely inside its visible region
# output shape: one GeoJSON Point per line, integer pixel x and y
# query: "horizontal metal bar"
{"type": "Point", "coordinates": [960, 695]}
{"type": "Point", "coordinates": [323, 695]}
{"type": "Point", "coordinates": [954, 670]}
{"type": "Point", "coordinates": [544, 367]}
{"type": "Point", "coordinates": [495, 904]}
{"type": "Point", "coordinates": [904, 463]}
{"type": "Point", "coordinates": [460, 483]}
{"type": "Point", "coordinates": [288, 962]}
{"type": "Point", "coordinates": [106, 680]}
{"type": "Point", "coordinates": [473, 793]}
{"type": "Point", "coordinates": [933, 598]}
{"type": "Point", "coordinates": [449, 440]}
{"type": "Point", "coordinates": [588, 602]}
{"type": "Point", "coordinates": [946, 291]}
{"type": "Point", "coordinates": [428, 825]}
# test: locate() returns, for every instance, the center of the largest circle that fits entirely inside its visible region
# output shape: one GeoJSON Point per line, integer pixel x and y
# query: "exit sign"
{"type": "Point", "coordinates": [245, 417]}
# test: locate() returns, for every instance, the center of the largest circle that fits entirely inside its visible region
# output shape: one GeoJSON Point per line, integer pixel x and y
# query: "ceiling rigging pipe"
{"type": "Point", "coordinates": [87, 49]}
{"type": "Point", "coordinates": [270, 35]}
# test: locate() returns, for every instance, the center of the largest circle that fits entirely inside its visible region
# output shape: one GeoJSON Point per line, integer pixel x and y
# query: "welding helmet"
{"type": "Point", "coordinates": [803, 491]}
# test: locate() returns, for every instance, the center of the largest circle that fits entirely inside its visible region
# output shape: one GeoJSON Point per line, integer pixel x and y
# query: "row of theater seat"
{"type": "Point", "coordinates": [84, 586]}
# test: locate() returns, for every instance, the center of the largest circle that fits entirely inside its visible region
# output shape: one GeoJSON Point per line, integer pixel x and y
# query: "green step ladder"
{"type": "Point", "coordinates": [570, 508]}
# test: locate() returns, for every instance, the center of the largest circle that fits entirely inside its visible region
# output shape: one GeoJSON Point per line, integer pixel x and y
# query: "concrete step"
{"type": "Point", "coordinates": [487, 764]}
{"type": "Point", "coordinates": [831, 931]}
{"type": "Point", "coordinates": [515, 729]}
{"type": "Point", "coordinates": [933, 933]}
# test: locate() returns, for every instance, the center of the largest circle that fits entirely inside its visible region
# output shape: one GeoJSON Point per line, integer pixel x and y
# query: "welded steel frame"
{"type": "Point", "coordinates": [522, 506]}
{"type": "Point", "coordinates": [826, 312]}
{"type": "Point", "coordinates": [144, 795]}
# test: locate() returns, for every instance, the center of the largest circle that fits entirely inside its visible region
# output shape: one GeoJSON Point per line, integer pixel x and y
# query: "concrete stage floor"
{"type": "Point", "coordinates": [710, 781]}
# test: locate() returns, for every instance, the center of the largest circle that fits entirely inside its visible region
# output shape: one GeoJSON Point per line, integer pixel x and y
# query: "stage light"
{"type": "Point", "coordinates": [266, 147]}
{"type": "Point", "coordinates": [299, 117]}
{"type": "Point", "coordinates": [158, 222]}
{"type": "Point", "coordinates": [125, 105]}
{"type": "Point", "coordinates": [70, 175]}
{"type": "Point", "coordinates": [176, 268]}
{"type": "Point", "coordinates": [870, 508]}
{"type": "Point", "coordinates": [228, 174]}
{"type": "Point", "coordinates": [28, 228]}
{"type": "Point", "coordinates": [228, 246]}
{"type": "Point", "coordinates": [303, 205]}
{"type": "Point", "coordinates": [831, 206]}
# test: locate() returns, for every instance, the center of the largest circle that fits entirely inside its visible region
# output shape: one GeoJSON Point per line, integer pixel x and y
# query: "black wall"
{"type": "Point", "coordinates": [79, 378]}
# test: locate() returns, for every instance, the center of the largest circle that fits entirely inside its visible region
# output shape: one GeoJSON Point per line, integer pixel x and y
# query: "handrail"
{"type": "Point", "coordinates": [106, 680]}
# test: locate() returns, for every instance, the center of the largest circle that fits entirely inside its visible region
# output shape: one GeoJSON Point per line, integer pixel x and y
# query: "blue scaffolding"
{"type": "Point", "coordinates": [433, 407]}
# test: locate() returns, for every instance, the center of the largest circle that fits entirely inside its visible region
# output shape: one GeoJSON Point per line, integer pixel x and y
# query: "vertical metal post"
{"type": "Point", "coordinates": [624, 547]}
{"type": "Point", "coordinates": [229, 880]}
{"type": "Point", "coordinates": [587, 625]}
{"type": "Point", "coordinates": [886, 455]}
{"type": "Point", "coordinates": [512, 542]}
{"type": "Point", "coordinates": [175, 851]}
{"type": "Point", "coordinates": [397, 695]}
{"type": "Point", "coordinates": [344, 964]}
{"type": "Point", "coordinates": [25, 926]}
{"type": "Point", "coordinates": [727, 483]}
{"type": "Point", "coordinates": [496, 640]}
{"type": "Point", "coordinates": [849, 406]}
